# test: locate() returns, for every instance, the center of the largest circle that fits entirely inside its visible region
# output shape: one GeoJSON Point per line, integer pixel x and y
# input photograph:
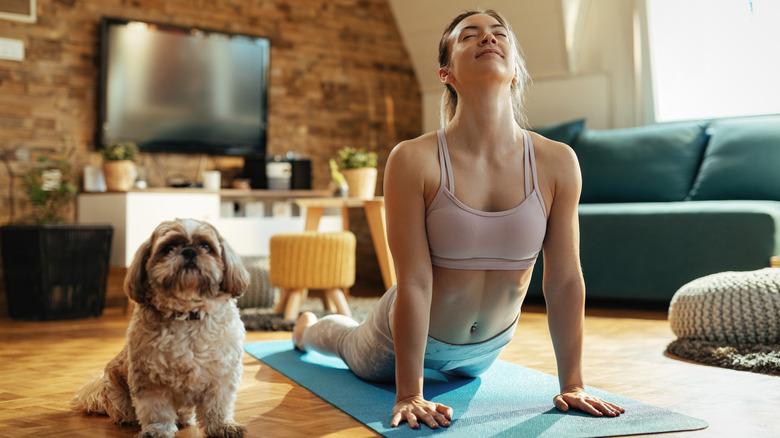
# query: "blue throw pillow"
{"type": "Point", "coordinates": [742, 161]}
{"type": "Point", "coordinates": [563, 132]}
{"type": "Point", "coordinates": [646, 164]}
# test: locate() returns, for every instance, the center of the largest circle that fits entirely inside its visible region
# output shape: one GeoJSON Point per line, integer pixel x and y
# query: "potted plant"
{"type": "Point", "coordinates": [119, 165]}
{"type": "Point", "coordinates": [359, 169]}
{"type": "Point", "coordinates": [50, 188]}
{"type": "Point", "coordinates": [53, 270]}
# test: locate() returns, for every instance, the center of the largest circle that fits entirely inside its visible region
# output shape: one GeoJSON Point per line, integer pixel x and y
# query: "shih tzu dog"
{"type": "Point", "coordinates": [184, 343]}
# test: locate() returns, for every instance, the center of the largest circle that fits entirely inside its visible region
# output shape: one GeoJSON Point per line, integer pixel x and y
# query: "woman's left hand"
{"type": "Point", "coordinates": [578, 399]}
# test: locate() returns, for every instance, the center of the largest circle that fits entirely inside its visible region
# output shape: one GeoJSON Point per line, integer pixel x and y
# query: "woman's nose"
{"type": "Point", "coordinates": [489, 38]}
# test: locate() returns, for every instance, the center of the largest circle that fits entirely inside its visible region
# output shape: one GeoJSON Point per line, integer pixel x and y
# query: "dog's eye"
{"type": "Point", "coordinates": [168, 248]}
{"type": "Point", "coordinates": [206, 246]}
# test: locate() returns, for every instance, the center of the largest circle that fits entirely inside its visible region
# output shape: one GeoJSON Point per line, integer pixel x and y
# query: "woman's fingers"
{"type": "Point", "coordinates": [432, 415]}
{"type": "Point", "coordinates": [586, 403]}
{"type": "Point", "coordinates": [560, 403]}
{"type": "Point", "coordinates": [412, 420]}
{"type": "Point", "coordinates": [444, 410]}
{"type": "Point", "coordinates": [431, 418]}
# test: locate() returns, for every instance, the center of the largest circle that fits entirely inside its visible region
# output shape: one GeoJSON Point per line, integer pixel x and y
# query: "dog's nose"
{"type": "Point", "coordinates": [189, 253]}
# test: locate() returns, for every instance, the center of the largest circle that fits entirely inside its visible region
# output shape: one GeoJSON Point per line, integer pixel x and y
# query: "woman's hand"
{"type": "Point", "coordinates": [578, 399]}
{"type": "Point", "coordinates": [416, 409]}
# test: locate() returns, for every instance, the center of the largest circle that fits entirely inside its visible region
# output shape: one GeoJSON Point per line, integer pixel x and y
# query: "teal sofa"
{"type": "Point", "coordinates": [665, 204]}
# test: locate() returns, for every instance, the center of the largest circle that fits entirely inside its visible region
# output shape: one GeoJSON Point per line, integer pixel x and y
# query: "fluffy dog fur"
{"type": "Point", "coordinates": [184, 342]}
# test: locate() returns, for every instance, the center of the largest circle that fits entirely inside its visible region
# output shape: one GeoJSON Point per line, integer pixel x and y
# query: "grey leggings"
{"type": "Point", "coordinates": [367, 348]}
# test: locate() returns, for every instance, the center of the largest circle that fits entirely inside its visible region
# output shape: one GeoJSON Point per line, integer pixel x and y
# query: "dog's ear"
{"type": "Point", "coordinates": [235, 278]}
{"type": "Point", "coordinates": [135, 281]}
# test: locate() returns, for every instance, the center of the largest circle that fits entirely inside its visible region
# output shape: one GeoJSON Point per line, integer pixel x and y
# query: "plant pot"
{"type": "Point", "coordinates": [120, 175]}
{"type": "Point", "coordinates": [55, 271]}
{"type": "Point", "coordinates": [361, 182]}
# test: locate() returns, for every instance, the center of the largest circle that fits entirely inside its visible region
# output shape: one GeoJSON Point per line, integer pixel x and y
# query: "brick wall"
{"type": "Point", "coordinates": [339, 76]}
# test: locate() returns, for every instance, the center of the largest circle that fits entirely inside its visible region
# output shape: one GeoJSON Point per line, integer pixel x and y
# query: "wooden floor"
{"type": "Point", "coordinates": [43, 363]}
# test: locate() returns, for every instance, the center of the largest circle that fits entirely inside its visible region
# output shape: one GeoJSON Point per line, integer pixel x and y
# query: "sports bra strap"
{"type": "Point", "coordinates": [532, 160]}
{"type": "Point", "coordinates": [526, 143]}
{"type": "Point", "coordinates": [444, 161]}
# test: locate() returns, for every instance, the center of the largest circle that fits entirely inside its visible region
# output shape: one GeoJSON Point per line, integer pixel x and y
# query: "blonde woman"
{"type": "Point", "coordinates": [469, 208]}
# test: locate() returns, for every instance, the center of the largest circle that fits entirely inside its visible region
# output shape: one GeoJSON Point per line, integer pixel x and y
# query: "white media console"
{"type": "Point", "coordinates": [246, 218]}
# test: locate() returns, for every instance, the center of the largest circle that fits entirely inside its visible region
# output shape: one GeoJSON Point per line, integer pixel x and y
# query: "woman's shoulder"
{"type": "Point", "coordinates": [556, 164]}
{"type": "Point", "coordinates": [416, 151]}
{"type": "Point", "coordinates": [553, 153]}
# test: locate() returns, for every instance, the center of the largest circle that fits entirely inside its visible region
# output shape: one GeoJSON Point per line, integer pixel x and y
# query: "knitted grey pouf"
{"type": "Point", "coordinates": [259, 294]}
{"type": "Point", "coordinates": [733, 307]}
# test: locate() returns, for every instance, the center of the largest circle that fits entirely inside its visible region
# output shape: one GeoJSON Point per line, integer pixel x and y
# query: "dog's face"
{"type": "Point", "coordinates": [184, 265]}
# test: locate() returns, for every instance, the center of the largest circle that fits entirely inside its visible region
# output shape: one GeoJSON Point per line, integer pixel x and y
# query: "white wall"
{"type": "Point", "coordinates": [594, 75]}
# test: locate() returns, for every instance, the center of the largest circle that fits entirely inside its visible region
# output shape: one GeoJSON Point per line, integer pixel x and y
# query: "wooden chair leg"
{"type": "Point", "coordinates": [337, 297]}
{"type": "Point", "coordinates": [294, 300]}
{"type": "Point", "coordinates": [283, 297]}
{"type": "Point", "coordinates": [327, 303]}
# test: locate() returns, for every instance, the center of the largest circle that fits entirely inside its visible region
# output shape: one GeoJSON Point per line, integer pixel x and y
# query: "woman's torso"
{"type": "Point", "coordinates": [472, 305]}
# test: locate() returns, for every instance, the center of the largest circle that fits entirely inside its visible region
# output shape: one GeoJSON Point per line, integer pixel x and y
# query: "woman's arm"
{"type": "Point", "coordinates": [564, 287]}
{"type": "Point", "coordinates": [404, 192]}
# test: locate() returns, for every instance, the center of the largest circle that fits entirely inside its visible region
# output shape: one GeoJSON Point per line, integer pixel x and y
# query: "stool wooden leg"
{"type": "Point", "coordinates": [327, 303]}
{"type": "Point", "coordinates": [283, 297]}
{"type": "Point", "coordinates": [336, 296]}
{"type": "Point", "coordinates": [294, 301]}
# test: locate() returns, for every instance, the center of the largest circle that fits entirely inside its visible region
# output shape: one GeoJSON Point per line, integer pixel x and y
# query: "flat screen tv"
{"type": "Point", "coordinates": [177, 89]}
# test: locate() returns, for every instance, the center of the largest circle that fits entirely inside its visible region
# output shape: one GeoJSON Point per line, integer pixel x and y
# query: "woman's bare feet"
{"type": "Point", "coordinates": [305, 320]}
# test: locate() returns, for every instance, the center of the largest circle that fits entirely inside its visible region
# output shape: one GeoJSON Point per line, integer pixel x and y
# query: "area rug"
{"type": "Point", "coordinates": [757, 358]}
{"type": "Point", "coordinates": [507, 401]}
{"type": "Point", "coordinates": [264, 319]}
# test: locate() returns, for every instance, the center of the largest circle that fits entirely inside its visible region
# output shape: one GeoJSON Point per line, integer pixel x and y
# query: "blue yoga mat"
{"type": "Point", "coordinates": [508, 400]}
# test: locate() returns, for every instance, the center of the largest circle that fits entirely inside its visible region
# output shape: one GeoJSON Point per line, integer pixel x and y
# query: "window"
{"type": "Point", "coordinates": [714, 58]}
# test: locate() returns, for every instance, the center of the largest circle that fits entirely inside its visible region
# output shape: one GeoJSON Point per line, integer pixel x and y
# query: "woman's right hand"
{"type": "Point", "coordinates": [416, 409]}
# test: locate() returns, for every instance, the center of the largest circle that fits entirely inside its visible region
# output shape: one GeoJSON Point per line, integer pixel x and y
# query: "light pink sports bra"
{"type": "Point", "coordinates": [460, 237]}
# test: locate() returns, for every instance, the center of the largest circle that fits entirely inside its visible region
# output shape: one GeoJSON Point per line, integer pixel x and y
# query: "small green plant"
{"type": "Point", "coordinates": [120, 151]}
{"type": "Point", "coordinates": [335, 175]}
{"type": "Point", "coordinates": [351, 158]}
{"type": "Point", "coordinates": [49, 187]}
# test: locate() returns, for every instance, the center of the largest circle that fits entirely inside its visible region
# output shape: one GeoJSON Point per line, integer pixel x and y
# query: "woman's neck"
{"type": "Point", "coordinates": [484, 118]}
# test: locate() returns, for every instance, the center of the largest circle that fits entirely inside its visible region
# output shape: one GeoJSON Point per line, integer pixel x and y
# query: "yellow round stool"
{"type": "Point", "coordinates": [312, 260]}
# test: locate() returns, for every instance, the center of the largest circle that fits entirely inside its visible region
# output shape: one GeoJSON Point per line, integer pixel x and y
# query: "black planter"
{"type": "Point", "coordinates": [55, 271]}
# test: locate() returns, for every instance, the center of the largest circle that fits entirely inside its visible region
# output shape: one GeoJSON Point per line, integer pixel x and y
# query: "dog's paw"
{"type": "Point", "coordinates": [185, 418]}
{"type": "Point", "coordinates": [226, 430]}
{"type": "Point", "coordinates": [158, 430]}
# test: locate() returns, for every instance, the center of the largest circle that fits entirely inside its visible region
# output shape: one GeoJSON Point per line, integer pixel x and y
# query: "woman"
{"type": "Point", "coordinates": [464, 252]}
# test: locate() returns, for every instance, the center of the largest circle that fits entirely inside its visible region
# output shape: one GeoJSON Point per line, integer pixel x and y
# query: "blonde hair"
{"type": "Point", "coordinates": [449, 98]}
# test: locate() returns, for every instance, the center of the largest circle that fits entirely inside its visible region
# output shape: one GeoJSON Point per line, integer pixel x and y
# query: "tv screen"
{"type": "Point", "coordinates": [177, 89]}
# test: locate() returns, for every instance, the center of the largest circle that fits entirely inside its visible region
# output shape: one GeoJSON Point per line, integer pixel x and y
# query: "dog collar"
{"type": "Point", "coordinates": [192, 315]}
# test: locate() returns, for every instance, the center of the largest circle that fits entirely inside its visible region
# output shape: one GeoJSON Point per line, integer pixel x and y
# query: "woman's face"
{"type": "Point", "coordinates": [480, 48]}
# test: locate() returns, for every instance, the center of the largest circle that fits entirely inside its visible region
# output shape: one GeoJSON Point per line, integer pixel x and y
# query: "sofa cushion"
{"type": "Point", "coordinates": [646, 164]}
{"type": "Point", "coordinates": [742, 161]}
{"type": "Point", "coordinates": [646, 251]}
{"type": "Point", "coordinates": [566, 132]}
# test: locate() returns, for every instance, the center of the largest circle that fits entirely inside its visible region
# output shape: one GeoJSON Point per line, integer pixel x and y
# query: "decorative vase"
{"type": "Point", "coordinates": [120, 175]}
{"type": "Point", "coordinates": [361, 182]}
